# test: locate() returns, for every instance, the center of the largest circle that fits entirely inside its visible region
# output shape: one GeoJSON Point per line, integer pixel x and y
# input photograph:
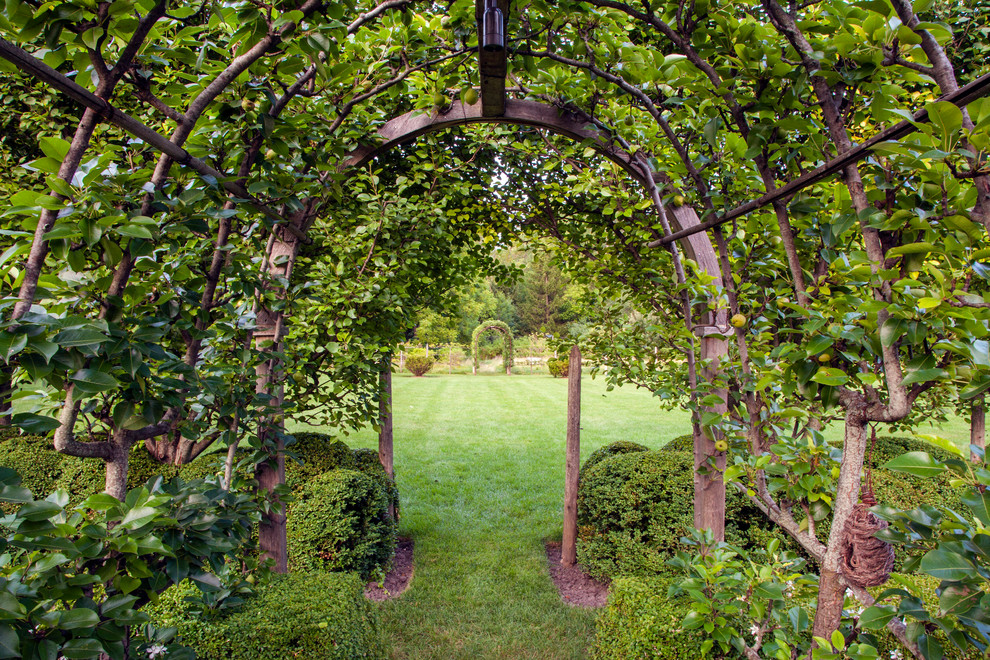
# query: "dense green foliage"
{"type": "Point", "coordinates": [558, 367]}
{"type": "Point", "coordinates": [633, 509]}
{"type": "Point", "coordinates": [45, 470]}
{"type": "Point", "coordinates": [341, 523]}
{"type": "Point", "coordinates": [73, 579]}
{"type": "Point", "coordinates": [299, 615]}
{"type": "Point", "coordinates": [641, 621]}
{"type": "Point", "coordinates": [418, 363]}
{"type": "Point", "coordinates": [367, 461]}
{"type": "Point", "coordinates": [140, 293]}
{"type": "Point", "coordinates": [609, 450]}
{"type": "Point", "coordinates": [315, 454]}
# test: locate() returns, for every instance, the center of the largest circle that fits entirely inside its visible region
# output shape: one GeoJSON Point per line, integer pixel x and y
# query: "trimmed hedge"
{"type": "Point", "coordinates": [633, 508]}
{"type": "Point", "coordinates": [45, 470]}
{"type": "Point", "coordinates": [299, 615]}
{"type": "Point", "coordinates": [609, 450]}
{"type": "Point", "coordinates": [641, 622]}
{"type": "Point", "coordinates": [680, 443]}
{"type": "Point", "coordinates": [341, 523]}
{"type": "Point", "coordinates": [367, 461]}
{"type": "Point", "coordinates": [320, 453]}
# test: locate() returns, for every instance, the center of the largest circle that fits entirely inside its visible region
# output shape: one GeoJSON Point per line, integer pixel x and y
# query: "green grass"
{"type": "Point", "coordinates": [480, 466]}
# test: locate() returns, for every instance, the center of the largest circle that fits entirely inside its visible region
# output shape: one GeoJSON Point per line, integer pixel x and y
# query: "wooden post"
{"type": "Point", "coordinates": [270, 473]}
{"type": "Point", "coordinates": [568, 550]}
{"type": "Point", "coordinates": [978, 427]}
{"type": "Point", "coordinates": [385, 454]}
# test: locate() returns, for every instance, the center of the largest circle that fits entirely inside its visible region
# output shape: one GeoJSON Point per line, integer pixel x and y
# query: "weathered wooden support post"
{"type": "Point", "coordinates": [568, 550]}
{"type": "Point", "coordinates": [270, 327]}
{"type": "Point", "coordinates": [385, 450]}
{"type": "Point", "coordinates": [978, 427]}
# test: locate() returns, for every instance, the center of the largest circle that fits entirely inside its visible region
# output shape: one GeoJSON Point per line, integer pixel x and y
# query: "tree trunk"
{"type": "Point", "coordinates": [831, 592]}
{"type": "Point", "coordinates": [568, 550]}
{"type": "Point", "coordinates": [268, 336]}
{"type": "Point", "coordinates": [116, 483]}
{"type": "Point", "coordinates": [709, 487]}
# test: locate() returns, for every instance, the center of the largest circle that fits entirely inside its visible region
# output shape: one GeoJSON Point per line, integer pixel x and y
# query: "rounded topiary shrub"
{"type": "Point", "coordinates": [680, 443]}
{"type": "Point", "coordinates": [341, 523]}
{"type": "Point", "coordinates": [418, 363]}
{"type": "Point", "coordinates": [367, 461]}
{"type": "Point", "coordinates": [609, 450]}
{"type": "Point", "coordinates": [559, 368]}
{"type": "Point", "coordinates": [299, 615]}
{"type": "Point", "coordinates": [633, 509]}
{"type": "Point", "coordinates": [319, 454]}
{"type": "Point", "coordinates": [641, 622]}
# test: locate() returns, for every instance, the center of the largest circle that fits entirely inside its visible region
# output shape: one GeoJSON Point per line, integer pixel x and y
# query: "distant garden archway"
{"type": "Point", "coordinates": [508, 354]}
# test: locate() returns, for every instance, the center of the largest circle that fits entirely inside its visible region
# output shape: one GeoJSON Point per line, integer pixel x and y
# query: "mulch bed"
{"type": "Point", "coordinates": [575, 586]}
{"type": "Point", "coordinates": [398, 578]}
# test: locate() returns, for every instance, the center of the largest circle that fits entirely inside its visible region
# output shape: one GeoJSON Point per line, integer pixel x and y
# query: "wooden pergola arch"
{"type": "Point", "coordinates": [709, 495]}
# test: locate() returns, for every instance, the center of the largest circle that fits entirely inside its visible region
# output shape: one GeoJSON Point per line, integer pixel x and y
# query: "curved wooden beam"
{"type": "Point", "coordinates": [411, 125]}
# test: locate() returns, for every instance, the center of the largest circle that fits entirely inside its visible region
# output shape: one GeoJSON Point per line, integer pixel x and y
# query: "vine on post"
{"type": "Point", "coordinates": [507, 350]}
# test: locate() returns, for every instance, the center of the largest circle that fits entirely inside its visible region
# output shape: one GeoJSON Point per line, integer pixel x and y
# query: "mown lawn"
{"type": "Point", "coordinates": [480, 467]}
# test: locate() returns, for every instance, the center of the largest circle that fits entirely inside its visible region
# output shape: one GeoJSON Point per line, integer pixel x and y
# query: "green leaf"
{"type": "Point", "coordinates": [838, 640]}
{"type": "Point", "coordinates": [10, 644]}
{"type": "Point", "coordinates": [947, 117]}
{"type": "Point", "coordinates": [80, 617]}
{"type": "Point", "coordinates": [79, 337]}
{"type": "Point", "coordinates": [830, 376]}
{"type": "Point", "coordinates": [917, 463]}
{"type": "Point", "coordinates": [91, 381]}
{"type": "Point", "coordinates": [959, 599]}
{"type": "Point", "coordinates": [929, 648]}
{"type": "Point", "coordinates": [100, 502]}
{"type": "Point", "coordinates": [83, 648]}
{"type": "Point", "coordinates": [947, 565]}
{"type": "Point", "coordinates": [39, 510]}
{"type": "Point", "coordinates": [35, 423]}
{"type": "Point", "coordinates": [54, 147]}
{"type": "Point", "coordinates": [875, 617]}
{"type": "Point", "coordinates": [135, 231]}
{"type": "Point", "coordinates": [11, 344]}
{"type": "Point", "coordinates": [10, 607]}
{"type": "Point", "coordinates": [979, 504]}
{"type": "Point", "coordinates": [139, 516]}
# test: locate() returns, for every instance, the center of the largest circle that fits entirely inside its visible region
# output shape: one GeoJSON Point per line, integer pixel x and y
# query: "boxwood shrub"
{"type": "Point", "coordinates": [45, 470]}
{"type": "Point", "coordinates": [559, 368]}
{"type": "Point", "coordinates": [340, 523]}
{"type": "Point", "coordinates": [367, 461]}
{"type": "Point", "coordinates": [633, 508]}
{"type": "Point", "coordinates": [418, 363]}
{"type": "Point", "coordinates": [319, 453]}
{"type": "Point", "coordinates": [299, 615]}
{"type": "Point", "coordinates": [611, 449]}
{"type": "Point", "coordinates": [641, 622]}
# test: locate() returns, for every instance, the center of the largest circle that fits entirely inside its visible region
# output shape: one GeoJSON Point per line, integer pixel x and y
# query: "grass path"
{"type": "Point", "coordinates": [479, 463]}
{"type": "Point", "coordinates": [480, 467]}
